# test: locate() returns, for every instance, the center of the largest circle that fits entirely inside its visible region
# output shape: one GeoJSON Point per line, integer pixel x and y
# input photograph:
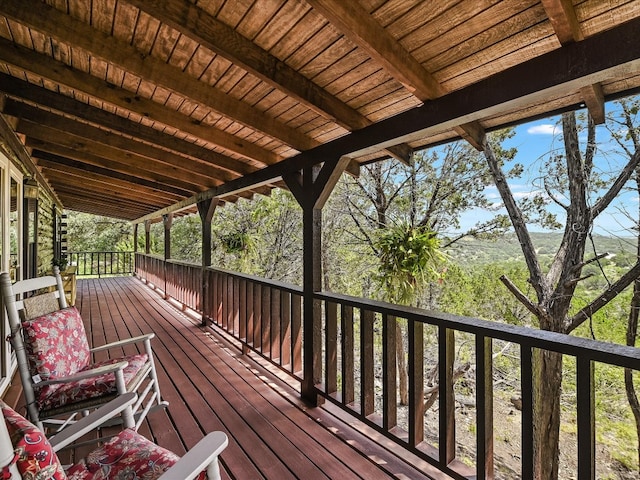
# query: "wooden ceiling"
{"type": "Point", "coordinates": [133, 107]}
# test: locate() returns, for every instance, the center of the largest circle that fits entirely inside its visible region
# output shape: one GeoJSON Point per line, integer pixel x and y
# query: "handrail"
{"type": "Point", "coordinates": [356, 353]}
{"type": "Point", "coordinates": [102, 263]}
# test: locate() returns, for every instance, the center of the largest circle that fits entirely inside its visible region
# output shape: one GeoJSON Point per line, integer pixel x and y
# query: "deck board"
{"type": "Point", "coordinates": [211, 385]}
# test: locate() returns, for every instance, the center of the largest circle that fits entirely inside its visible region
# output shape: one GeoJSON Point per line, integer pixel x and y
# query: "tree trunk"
{"type": "Point", "coordinates": [547, 370]}
{"type": "Point", "coordinates": [632, 332]}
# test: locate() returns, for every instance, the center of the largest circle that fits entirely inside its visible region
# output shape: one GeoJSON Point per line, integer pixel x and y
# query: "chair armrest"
{"type": "Point", "coordinates": [92, 421]}
{"type": "Point", "coordinates": [94, 372]}
{"type": "Point", "coordinates": [197, 459]}
{"type": "Point", "coordinates": [126, 341]}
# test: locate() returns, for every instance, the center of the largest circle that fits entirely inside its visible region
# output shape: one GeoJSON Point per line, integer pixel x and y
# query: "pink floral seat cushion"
{"type": "Point", "coordinates": [129, 455]}
{"type": "Point", "coordinates": [56, 346]}
{"type": "Point", "coordinates": [54, 396]}
{"type": "Point", "coordinates": [35, 457]}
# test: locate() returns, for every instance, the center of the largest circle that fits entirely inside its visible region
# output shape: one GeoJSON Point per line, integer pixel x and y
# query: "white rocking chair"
{"type": "Point", "coordinates": [26, 453]}
{"type": "Point", "coordinates": [58, 372]}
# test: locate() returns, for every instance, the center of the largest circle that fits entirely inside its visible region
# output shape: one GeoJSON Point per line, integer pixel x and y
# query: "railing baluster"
{"type": "Point", "coordinates": [447, 430]}
{"type": "Point", "coordinates": [296, 332]}
{"type": "Point", "coordinates": [526, 386]}
{"type": "Point", "coordinates": [250, 315]}
{"type": "Point", "coordinates": [484, 410]}
{"type": "Point", "coordinates": [389, 372]}
{"type": "Point", "coordinates": [285, 328]}
{"type": "Point", "coordinates": [348, 369]}
{"type": "Point", "coordinates": [274, 315]}
{"type": "Point", "coordinates": [416, 382]}
{"type": "Point", "coordinates": [331, 348]}
{"type": "Point", "coordinates": [367, 399]}
{"type": "Point", "coordinates": [242, 309]}
{"type": "Point", "coordinates": [266, 320]}
{"type": "Point", "coordinates": [586, 419]}
{"type": "Point", "coordinates": [257, 317]}
{"type": "Point", "coordinates": [235, 314]}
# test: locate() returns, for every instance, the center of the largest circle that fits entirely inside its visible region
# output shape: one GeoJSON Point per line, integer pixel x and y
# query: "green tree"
{"type": "Point", "coordinates": [570, 182]}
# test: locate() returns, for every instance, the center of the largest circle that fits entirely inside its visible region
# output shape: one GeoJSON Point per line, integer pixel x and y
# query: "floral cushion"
{"type": "Point", "coordinates": [127, 456]}
{"type": "Point", "coordinates": [35, 456]}
{"type": "Point", "coordinates": [56, 344]}
{"type": "Point", "coordinates": [57, 395]}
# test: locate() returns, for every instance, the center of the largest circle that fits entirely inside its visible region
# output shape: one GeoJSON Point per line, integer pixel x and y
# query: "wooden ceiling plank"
{"type": "Point", "coordinates": [366, 32]}
{"type": "Point", "coordinates": [353, 21]}
{"type": "Point", "coordinates": [64, 28]}
{"type": "Point", "coordinates": [45, 67]}
{"type": "Point", "coordinates": [206, 30]}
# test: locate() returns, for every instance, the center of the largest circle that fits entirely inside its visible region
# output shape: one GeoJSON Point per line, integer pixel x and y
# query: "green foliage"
{"type": "Point", "coordinates": [88, 233]}
{"type": "Point", "coordinates": [409, 257]}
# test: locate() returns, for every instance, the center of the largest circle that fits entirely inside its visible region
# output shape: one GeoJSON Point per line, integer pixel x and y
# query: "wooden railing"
{"type": "Point", "coordinates": [357, 352]}
{"type": "Point", "coordinates": [102, 263]}
{"type": "Point", "coordinates": [266, 316]}
{"type": "Point", "coordinates": [184, 283]}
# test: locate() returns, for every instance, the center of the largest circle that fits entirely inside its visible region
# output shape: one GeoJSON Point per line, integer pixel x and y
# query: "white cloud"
{"type": "Point", "coordinates": [544, 129]}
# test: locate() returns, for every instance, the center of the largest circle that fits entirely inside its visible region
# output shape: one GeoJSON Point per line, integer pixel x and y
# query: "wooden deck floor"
{"type": "Point", "coordinates": [210, 386]}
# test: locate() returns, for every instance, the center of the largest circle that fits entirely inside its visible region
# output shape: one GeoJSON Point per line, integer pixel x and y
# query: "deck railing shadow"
{"type": "Point", "coordinates": [356, 361]}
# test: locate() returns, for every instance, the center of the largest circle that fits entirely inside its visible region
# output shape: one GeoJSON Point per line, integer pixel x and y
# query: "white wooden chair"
{"type": "Point", "coordinates": [59, 374]}
{"type": "Point", "coordinates": [26, 453]}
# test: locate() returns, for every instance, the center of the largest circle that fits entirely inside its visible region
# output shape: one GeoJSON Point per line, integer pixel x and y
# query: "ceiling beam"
{"type": "Point", "coordinates": [51, 100]}
{"type": "Point", "coordinates": [14, 149]}
{"type": "Point", "coordinates": [86, 140]}
{"type": "Point", "coordinates": [90, 162]}
{"type": "Point", "coordinates": [66, 29]}
{"type": "Point", "coordinates": [46, 67]}
{"type": "Point", "coordinates": [566, 71]}
{"type": "Point", "coordinates": [82, 149]}
{"type": "Point", "coordinates": [563, 18]}
{"type": "Point", "coordinates": [363, 30]}
{"type": "Point", "coordinates": [210, 165]}
{"type": "Point", "coordinates": [126, 186]}
{"type": "Point", "coordinates": [66, 162]}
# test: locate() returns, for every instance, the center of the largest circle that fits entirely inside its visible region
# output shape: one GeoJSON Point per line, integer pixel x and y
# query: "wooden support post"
{"type": "Point", "coordinates": [206, 209]}
{"type": "Point", "coordinates": [312, 188]}
{"type": "Point", "coordinates": [147, 237]}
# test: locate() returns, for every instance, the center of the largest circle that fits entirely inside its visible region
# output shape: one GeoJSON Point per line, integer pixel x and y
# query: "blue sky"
{"type": "Point", "coordinates": [534, 141]}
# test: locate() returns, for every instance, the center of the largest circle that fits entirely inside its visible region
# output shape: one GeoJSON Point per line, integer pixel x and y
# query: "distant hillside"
{"type": "Point", "coordinates": [476, 252]}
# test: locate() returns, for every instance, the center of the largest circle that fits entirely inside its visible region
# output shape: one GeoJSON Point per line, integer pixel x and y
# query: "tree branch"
{"type": "Point", "coordinates": [532, 307]}
{"type": "Point", "coordinates": [517, 220]}
{"type": "Point", "coordinates": [608, 295]}
{"type": "Point", "coordinates": [624, 176]}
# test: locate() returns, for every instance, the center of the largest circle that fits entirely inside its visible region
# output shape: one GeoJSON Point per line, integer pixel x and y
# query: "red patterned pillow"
{"type": "Point", "coordinates": [128, 455]}
{"type": "Point", "coordinates": [56, 344]}
{"type": "Point", "coordinates": [35, 454]}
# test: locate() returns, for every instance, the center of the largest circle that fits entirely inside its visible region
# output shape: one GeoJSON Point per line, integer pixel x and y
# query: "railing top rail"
{"type": "Point", "coordinates": [184, 263]}
{"type": "Point", "coordinates": [287, 287]}
{"type": "Point", "coordinates": [599, 351]}
{"type": "Point", "coordinates": [101, 251]}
